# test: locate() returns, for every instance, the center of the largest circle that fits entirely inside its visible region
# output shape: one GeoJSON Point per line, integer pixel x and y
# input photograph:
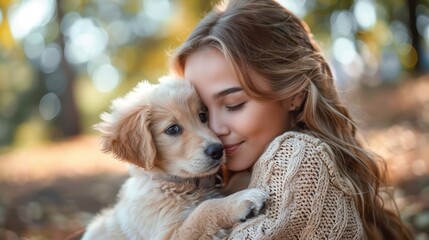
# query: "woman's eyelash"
{"type": "Point", "coordinates": [235, 107]}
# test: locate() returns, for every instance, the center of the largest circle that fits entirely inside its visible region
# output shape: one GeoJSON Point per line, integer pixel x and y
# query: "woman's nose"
{"type": "Point", "coordinates": [217, 125]}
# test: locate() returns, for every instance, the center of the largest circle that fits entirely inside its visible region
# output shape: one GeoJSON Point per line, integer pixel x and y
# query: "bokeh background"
{"type": "Point", "coordinates": [63, 61]}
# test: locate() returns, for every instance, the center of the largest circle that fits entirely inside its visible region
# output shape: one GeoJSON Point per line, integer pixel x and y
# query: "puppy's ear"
{"type": "Point", "coordinates": [130, 138]}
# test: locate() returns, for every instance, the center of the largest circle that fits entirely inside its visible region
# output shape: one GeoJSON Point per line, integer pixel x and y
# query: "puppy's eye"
{"type": "Point", "coordinates": [203, 117]}
{"type": "Point", "coordinates": [173, 130]}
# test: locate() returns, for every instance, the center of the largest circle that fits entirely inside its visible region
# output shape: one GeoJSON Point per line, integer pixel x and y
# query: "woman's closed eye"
{"type": "Point", "coordinates": [235, 107]}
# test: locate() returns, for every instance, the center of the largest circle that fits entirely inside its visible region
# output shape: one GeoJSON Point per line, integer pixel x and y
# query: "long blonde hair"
{"type": "Point", "coordinates": [262, 36]}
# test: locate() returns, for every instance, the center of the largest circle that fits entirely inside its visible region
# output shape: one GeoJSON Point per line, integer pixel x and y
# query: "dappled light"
{"type": "Point", "coordinates": [365, 13]}
{"type": "Point", "coordinates": [49, 106]}
{"type": "Point", "coordinates": [63, 62]}
{"type": "Point", "coordinates": [29, 15]}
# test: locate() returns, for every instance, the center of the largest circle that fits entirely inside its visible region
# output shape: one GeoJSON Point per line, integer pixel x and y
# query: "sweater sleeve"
{"type": "Point", "coordinates": [306, 199]}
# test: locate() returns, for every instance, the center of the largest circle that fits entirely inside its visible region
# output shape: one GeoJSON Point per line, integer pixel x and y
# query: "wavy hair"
{"type": "Point", "coordinates": [261, 36]}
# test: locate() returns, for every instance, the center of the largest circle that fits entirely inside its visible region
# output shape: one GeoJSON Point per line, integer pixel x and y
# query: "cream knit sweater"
{"type": "Point", "coordinates": [308, 199]}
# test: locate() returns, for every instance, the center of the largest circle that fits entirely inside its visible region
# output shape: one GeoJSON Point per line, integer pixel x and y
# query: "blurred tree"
{"type": "Point", "coordinates": [68, 120]}
{"type": "Point", "coordinates": [415, 37]}
{"type": "Point", "coordinates": [412, 55]}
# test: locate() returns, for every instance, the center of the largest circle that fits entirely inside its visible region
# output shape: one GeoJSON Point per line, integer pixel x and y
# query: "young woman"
{"type": "Point", "coordinates": [271, 99]}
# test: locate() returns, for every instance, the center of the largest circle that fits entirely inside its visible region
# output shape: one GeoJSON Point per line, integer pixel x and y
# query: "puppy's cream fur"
{"type": "Point", "coordinates": [170, 193]}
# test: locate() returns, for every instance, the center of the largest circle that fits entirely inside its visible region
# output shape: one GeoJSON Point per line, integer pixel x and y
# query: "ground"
{"type": "Point", "coordinates": [51, 190]}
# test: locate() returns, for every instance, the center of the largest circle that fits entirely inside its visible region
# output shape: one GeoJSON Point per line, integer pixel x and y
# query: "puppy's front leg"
{"type": "Point", "coordinates": [215, 214]}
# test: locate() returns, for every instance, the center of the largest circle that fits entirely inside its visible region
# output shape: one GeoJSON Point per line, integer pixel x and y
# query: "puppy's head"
{"type": "Point", "coordinates": [162, 126]}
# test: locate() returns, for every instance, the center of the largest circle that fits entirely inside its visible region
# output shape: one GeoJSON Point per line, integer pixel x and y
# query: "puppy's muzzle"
{"type": "Point", "coordinates": [214, 151]}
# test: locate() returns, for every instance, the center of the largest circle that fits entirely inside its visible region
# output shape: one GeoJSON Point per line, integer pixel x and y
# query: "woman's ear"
{"type": "Point", "coordinates": [296, 101]}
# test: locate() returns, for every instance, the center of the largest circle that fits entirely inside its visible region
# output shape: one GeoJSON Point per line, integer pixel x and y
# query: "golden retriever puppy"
{"type": "Point", "coordinates": [161, 131]}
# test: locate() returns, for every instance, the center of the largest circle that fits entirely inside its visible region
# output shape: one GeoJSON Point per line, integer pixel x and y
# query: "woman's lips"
{"type": "Point", "coordinates": [230, 149]}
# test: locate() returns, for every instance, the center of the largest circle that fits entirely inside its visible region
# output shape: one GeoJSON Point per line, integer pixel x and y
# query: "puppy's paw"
{"type": "Point", "coordinates": [249, 203]}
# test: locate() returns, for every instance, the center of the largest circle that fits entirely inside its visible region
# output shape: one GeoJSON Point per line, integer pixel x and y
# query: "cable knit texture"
{"type": "Point", "coordinates": [308, 199]}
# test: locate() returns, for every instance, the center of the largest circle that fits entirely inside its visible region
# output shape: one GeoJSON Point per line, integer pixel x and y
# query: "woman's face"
{"type": "Point", "coordinates": [244, 126]}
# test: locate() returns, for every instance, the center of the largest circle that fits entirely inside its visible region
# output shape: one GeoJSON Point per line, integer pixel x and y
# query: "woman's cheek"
{"type": "Point", "coordinates": [245, 122]}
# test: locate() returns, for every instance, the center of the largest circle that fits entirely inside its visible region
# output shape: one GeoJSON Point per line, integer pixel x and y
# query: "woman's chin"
{"type": "Point", "coordinates": [235, 166]}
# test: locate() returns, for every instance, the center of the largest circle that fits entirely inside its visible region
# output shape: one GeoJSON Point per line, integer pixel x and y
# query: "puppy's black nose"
{"type": "Point", "coordinates": [214, 151]}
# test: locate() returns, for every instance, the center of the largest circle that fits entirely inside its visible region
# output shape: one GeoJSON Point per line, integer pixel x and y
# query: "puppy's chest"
{"type": "Point", "coordinates": [187, 197]}
{"type": "Point", "coordinates": [171, 202]}
{"type": "Point", "coordinates": [153, 209]}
